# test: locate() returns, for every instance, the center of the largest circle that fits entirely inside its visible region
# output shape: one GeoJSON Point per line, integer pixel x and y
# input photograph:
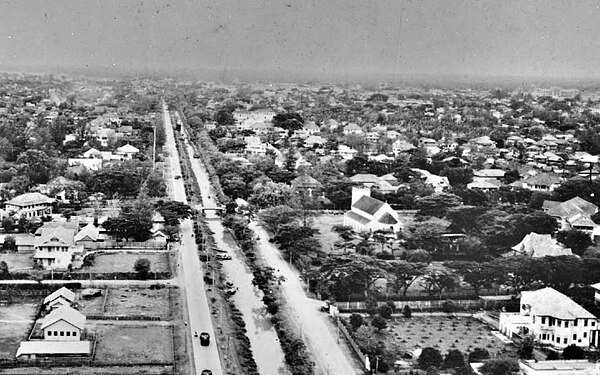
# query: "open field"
{"type": "Point", "coordinates": [123, 262]}
{"type": "Point", "coordinates": [17, 261]}
{"type": "Point", "coordinates": [134, 344]}
{"type": "Point", "coordinates": [110, 370]}
{"type": "Point", "coordinates": [138, 301]}
{"type": "Point", "coordinates": [11, 335]}
{"type": "Point", "coordinates": [14, 322]}
{"type": "Point", "coordinates": [443, 333]}
{"type": "Point", "coordinates": [129, 301]}
{"type": "Point", "coordinates": [326, 236]}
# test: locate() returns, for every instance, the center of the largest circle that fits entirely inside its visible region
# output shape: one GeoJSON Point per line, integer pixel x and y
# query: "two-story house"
{"type": "Point", "coordinates": [55, 247]}
{"type": "Point", "coordinates": [552, 319]}
{"type": "Point", "coordinates": [30, 205]}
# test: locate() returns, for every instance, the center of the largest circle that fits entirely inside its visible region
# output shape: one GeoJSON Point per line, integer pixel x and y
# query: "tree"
{"type": "Point", "coordinates": [173, 212]}
{"type": "Point", "coordinates": [404, 274]}
{"type": "Point", "coordinates": [356, 320]}
{"type": "Point", "coordinates": [577, 240]}
{"type": "Point", "coordinates": [155, 186]}
{"type": "Point", "coordinates": [365, 339]}
{"type": "Point", "coordinates": [274, 217]}
{"type": "Point", "coordinates": [36, 165]}
{"type": "Point", "coordinates": [134, 221]}
{"type": "Point", "coordinates": [142, 267]}
{"type": "Point", "coordinates": [525, 350]}
{"type": "Point", "coordinates": [499, 366]}
{"type": "Point", "coordinates": [454, 359]}
{"type": "Point", "coordinates": [437, 204]}
{"type": "Point", "coordinates": [437, 280]}
{"type": "Point", "coordinates": [419, 256]}
{"type": "Point", "coordinates": [478, 355]}
{"type": "Point", "coordinates": [270, 194]}
{"type": "Point", "coordinates": [289, 121]}
{"type": "Point", "coordinates": [224, 117]}
{"type": "Point", "coordinates": [378, 322]}
{"type": "Point", "coordinates": [429, 357]}
{"type": "Point", "coordinates": [4, 273]}
{"type": "Point", "coordinates": [345, 232]}
{"type": "Point", "coordinates": [573, 352]}
{"type": "Point", "coordinates": [407, 312]}
{"type": "Point", "coordinates": [8, 224]}
{"type": "Point", "coordinates": [385, 311]}
{"type": "Point", "coordinates": [10, 244]}
{"type": "Point", "coordinates": [426, 234]}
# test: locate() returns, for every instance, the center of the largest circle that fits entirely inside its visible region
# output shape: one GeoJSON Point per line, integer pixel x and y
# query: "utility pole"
{"type": "Point", "coordinates": [154, 149]}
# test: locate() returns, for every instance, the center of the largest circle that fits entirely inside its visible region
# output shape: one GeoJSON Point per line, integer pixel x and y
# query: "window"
{"type": "Point", "coordinates": [55, 333]}
{"type": "Point", "coordinates": [558, 339]}
{"type": "Point", "coordinates": [62, 333]}
{"type": "Point", "coordinates": [575, 323]}
{"type": "Point", "coordinates": [543, 320]}
{"type": "Point", "coordinates": [558, 323]}
{"type": "Point", "coordinates": [68, 333]}
{"type": "Point", "coordinates": [584, 334]}
{"type": "Point", "coordinates": [593, 323]}
{"type": "Point", "coordinates": [565, 340]}
{"type": "Point", "coordinates": [49, 333]}
{"type": "Point", "coordinates": [575, 337]}
{"type": "Point", "coordinates": [74, 333]}
{"type": "Point", "coordinates": [585, 322]}
{"type": "Point", "coordinates": [566, 324]}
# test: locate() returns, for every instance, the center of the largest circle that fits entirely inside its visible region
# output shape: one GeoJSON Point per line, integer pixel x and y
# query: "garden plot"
{"type": "Point", "coordinates": [442, 333]}
{"type": "Point", "coordinates": [17, 262]}
{"type": "Point", "coordinates": [131, 344]}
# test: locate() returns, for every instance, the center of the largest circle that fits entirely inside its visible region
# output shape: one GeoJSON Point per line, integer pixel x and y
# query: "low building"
{"type": "Point", "coordinates": [566, 367]}
{"type": "Point", "coordinates": [553, 319]}
{"type": "Point", "coordinates": [63, 324]}
{"type": "Point", "coordinates": [127, 151]}
{"type": "Point", "coordinates": [540, 245]}
{"type": "Point", "coordinates": [59, 298]}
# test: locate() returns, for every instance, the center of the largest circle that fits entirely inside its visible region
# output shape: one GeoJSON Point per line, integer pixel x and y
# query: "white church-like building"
{"type": "Point", "coordinates": [370, 214]}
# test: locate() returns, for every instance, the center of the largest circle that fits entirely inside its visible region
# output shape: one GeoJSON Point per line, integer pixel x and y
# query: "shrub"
{"type": "Point", "coordinates": [356, 320]}
{"type": "Point", "coordinates": [573, 352]}
{"type": "Point", "coordinates": [454, 359]}
{"type": "Point", "coordinates": [384, 256]}
{"type": "Point", "coordinates": [448, 306]}
{"type": "Point", "coordinates": [429, 357]}
{"type": "Point", "coordinates": [378, 322]}
{"type": "Point", "coordinates": [407, 311]}
{"type": "Point", "coordinates": [386, 311]}
{"type": "Point", "coordinates": [478, 355]}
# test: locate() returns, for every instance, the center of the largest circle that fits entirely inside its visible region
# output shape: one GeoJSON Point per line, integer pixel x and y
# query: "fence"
{"type": "Point", "coordinates": [112, 245]}
{"type": "Point", "coordinates": [351, 342]}
{"type": "Point", "coordinates": [419, 305]}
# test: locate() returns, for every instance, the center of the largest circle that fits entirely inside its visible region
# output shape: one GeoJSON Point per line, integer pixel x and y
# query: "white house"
{"type": "Point", "coordinates": [552, 319]}
{"type": "Point", "coordinates": [59, 298]}
{"type": "Point", "coordinates": [63, 324]}
{"type": "Point", "coordinates": [439, 183]}
{"type": "Point", "coordinates": [559, 367]}
{"type": "Point", "coordinates": [370, 214]}
{"type": "Point", "coordinates": [352, 128]}
{"type": "Point", "coordinates": [55, 247]}
{"type": "Point", "coordinates": [91, 164]}
{"type": "Point", "coordinates": [127, 151]}
{"type": "Point", "coordinates": [540, 245]}
{"type": "Point", "coordinates": [30, 205]}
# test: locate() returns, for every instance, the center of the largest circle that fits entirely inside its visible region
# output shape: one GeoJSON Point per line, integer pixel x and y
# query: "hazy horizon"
{"type": "Point", "coordinates": [336, 40]}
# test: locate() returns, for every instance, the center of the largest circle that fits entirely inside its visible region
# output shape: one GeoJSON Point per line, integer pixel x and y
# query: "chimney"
{"type": "Point", "coordinates": [358, 192]}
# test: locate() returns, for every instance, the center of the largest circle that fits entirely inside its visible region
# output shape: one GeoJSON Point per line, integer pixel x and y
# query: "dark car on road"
{"type": "Point", "coordinates": [204, 339]}
{"type": "Point", "coordinates": [206, 372]}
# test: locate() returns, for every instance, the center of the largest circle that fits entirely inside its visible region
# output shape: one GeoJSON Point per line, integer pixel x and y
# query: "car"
{"type": "Point", "coordinates": [195, 333]}
{"type": "Point", "coordinates": [204, 339]}
{"type": "Point", "coordinates": [196, 156]}
{"type": "Point", "coordinates": [206, 372]}
{"type": "Point", "coordinates": [177, 177]}
{"type": "Point", "coordinates": [223, 256]}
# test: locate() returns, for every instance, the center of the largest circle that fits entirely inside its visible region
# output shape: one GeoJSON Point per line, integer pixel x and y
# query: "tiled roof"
{"type": "Point", "coordinates": [387, 219]}
{"type": "Point", "coordinates": [365, 178]}
{"type": "Point", "coordinates": [42, 347]}
{"type": "Point", "coordinates": [29, 199]}
{"type": "Point", "coordinates": [543, 179]}
{"type": "Point", "coordinates": [550, 302]}
{"type": "Point", "coordinates": [540, 245]}
{"type": "Point", "coordinates": [356, 217]}
{"type": "Point", "coordinates": [573, 207]}
{"type": "Point", "coordinates": [368, 204]}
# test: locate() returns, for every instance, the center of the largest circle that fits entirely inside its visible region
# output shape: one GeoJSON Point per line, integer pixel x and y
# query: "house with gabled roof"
{"type": "Point", "coordinates": [59, 298]}
{"type": "Point", "coordinates": [573, 214]}
{"type": "Point", "coordinates": [545, 182]}
{"type": "Point", "coordinates": [370, 214]}
{"type": "Point", "coordinates": [352, 129]}
{"type": "Point", "coordinates": [539, 245]}
{"type": "Point", "coordinates": [55, 246]}
{"type": "Point", "coordinates": [127, 151]}
{"type": "Point", "coordinates": [63, 324]}
{"type": "Point", "coordinates": [553, 319]}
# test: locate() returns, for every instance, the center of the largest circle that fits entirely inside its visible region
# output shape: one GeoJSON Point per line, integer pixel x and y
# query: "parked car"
{"type": "Point", "coordinates": [206, 372]}
{"type": "Point", "coordinates": [204, 339]}
{"type": "Point", "coordinates": [223, 256]}
{"type": "Point", "coordinates": [177, 177]}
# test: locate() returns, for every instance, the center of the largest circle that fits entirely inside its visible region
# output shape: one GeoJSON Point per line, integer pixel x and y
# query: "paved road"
{"type": "Point", "coordinates": [191, 271]}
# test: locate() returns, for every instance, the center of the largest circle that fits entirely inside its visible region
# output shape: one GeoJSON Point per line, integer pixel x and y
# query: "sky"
{"type": "Point", "coordinates": [545, 38]}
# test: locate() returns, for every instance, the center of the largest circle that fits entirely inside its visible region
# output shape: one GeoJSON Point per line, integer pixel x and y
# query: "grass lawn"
{"type": "Point", "coordinates": [123, 262]}
{"type": "Point", "coordinates": [134, 344]}
{"type": "Point", "coordinates": [91, 306]}
{"type": "Point", "coordinates": [327, 237]}
{"type": "Point", "coordinates": [14, 321]}
{"type": "Point", "coordinates": [138, 301]}
{"type": "Point", "coordinates": [442, 333]}
{"type": "Point", "coordinates": [17, 261]}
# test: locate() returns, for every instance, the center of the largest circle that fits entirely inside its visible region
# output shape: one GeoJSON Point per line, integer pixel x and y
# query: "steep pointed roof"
{"type": "Point", "coordinates": [550, 302]}
{"type": "Point", "coordinates": [368, 205]}
{"type": "Point", "coordinates": [540, 245]}
{"type": "Point", "coordinates": [62, 292]}
{"type": "Point", "coordinates": [66, 313]}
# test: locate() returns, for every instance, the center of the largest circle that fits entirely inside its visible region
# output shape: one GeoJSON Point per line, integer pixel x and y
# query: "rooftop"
{"type": "Point", "coordinates": [550, 302]}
